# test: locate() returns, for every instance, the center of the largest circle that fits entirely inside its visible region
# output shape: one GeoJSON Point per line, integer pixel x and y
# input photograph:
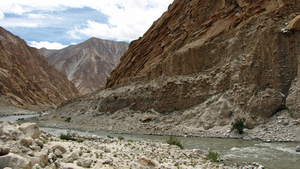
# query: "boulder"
{"type": "Point", "coordinates": [294, 24]}
{"type": "Point", "coordinates": [52, 157]}
{"type": "Point", "coordinates": [30, 129]}
{"type": "Point", "coordinates": [39, 143]}
{"type": "Point", "coordinates": [86, 163]}
{"type": "Point", "coordinates": [58, 146]}
{"type": "Point", "coordinates": [43, 158]}
{"type": "Point", "coordinates": [57, 153]}
{"type": "Point", "coordinates": [298, 148]}
{"type": "Point", "coordinates": [15, 161]}
{"type": "Point", "coordinates": [146, 118]}
{"type": "Point", "coordinates": [146, 162]}
{"type": "Point", "coordinates": [72, 157]}
{"type": "Point", "coordinates": [27, 141]}
{"type": "Point", "coordinates": [4, 150]}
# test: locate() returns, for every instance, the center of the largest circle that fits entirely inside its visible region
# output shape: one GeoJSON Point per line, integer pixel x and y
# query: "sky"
{"type": "Point", "coordinates": [55, 24]}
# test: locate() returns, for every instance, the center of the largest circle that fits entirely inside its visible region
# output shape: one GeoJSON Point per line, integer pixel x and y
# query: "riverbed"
{"type": "Point", "coordinates": [278, 155]}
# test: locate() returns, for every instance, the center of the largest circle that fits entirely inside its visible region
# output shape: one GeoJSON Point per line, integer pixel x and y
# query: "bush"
{"type": "Point", "coordinates": [68, 136]}
{"type": "Point", "coordinates": [68, 119]}
{"type": "Point", "coordinates": [212, 156]}
{"type": "Point", "coordinates": [174, 141]}
{"type": "Point", "coordinates": [239, 126]}
{"type": "Point", "coordinates": [108, 136]}
{"type": "Point", "coordinates": [121, 138]}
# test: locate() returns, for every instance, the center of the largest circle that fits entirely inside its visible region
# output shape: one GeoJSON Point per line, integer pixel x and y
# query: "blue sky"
{"type": "Point", "coordinates": [58, 23]}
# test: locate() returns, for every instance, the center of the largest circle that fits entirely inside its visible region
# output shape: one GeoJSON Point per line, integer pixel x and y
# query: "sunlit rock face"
{"type": "Point", "coordinates": [88, 64]}
{"type": "Point", "coordinates": [208, 63]}
{"type": "Point", "coordinates": [26, 78]}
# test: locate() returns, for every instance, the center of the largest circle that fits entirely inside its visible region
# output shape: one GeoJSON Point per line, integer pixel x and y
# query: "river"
{"type": "Point", "coordinates": [271, 155]}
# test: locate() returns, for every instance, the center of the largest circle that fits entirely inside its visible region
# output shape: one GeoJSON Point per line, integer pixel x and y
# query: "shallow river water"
{"type": "Point", "coordinates": [271, 155]}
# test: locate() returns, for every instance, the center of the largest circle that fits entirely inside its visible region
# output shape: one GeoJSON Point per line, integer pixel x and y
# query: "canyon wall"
{"type": "Point", "coordinates": [206, 64]}
{"type": "Point", "coordinates": [26, 79]}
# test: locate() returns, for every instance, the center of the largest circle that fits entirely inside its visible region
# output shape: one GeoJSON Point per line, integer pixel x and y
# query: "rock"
{"type": "Point", "coordinates": [30, 129]}
{"type": "Point", "coordinates": [58, 146]}
{"type": "Point", "coordinates": [43, 158]}
{"type": "Point", "coordinates": [146, 118]}
{"type": "Point", "coordinates": [298, 148]}
{"type": "Point", "coordinates": [39, 143]}
{"type": "Point", "coordinates": [72, 157]}
{"type": "Point", "coordinates": [198, 151]}
{"type": "Point", "coordinates": [86, 163]}
{"type": "Point", "coordinates": [4, 150]}
{"type": "Point", "coordinates": [294, 24]}
{"type": "Point", "coordinates": [27, 141]}
{"type": "Point", "coordinates": [52, 157]}
{"type": "Point", "coordinates": [109, 162]}
{"type": "Point", "coordinates": [15, 161]}
{"type": "Point", "coordinates": [57, 153]}
{"type": "Point", "coordinates": [146, 162]}
{"type": "Point", "coordinates": [79, 162]}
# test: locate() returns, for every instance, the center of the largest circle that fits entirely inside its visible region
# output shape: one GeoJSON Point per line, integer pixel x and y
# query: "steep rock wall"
{"type": "Point", "coordinates": [208, 63]}
{"type": "Point", "coordinates": [26, 79]}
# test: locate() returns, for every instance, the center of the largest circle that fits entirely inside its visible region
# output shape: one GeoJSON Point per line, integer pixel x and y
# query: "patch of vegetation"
{"type": "Point", "coordinates": [80, 140]}
{"type": "Point", "coordinates": [121, 138]}
{"type": "Point", "coordinates": [68, 136]}
{"type": "Point", "coordinates": [174, 141]}
{"type": "Point", "coordinates": [212, 156]}
{"type": "Point", "coordinates": [108, 136]}
{"type": "Point", "coordinates": [68, 119]}
{"type": "Point", "coordinates": [239, 126]}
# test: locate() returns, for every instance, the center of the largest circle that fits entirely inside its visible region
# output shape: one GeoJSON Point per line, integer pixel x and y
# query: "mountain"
{"type": "Point", "coordinates": [201, 66]}
{"type": "Point", "coordinates": [88, 64]}
{"type": "Point", "coordinates": [26, 79]}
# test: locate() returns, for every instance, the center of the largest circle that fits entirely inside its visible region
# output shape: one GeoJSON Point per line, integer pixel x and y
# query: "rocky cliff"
{"type": "Point", "coordinates": [204, 64]}
{"type": "Point", "coordinates": [88, 64]}
{"type": "Point", "coordinates": [26, 79]}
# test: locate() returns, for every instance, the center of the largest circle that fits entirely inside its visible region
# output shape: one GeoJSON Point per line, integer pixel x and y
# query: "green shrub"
{"type": "Point", "coordinates": [108, 136]}
{"type": "Point", "coordinates": [174, 141]}
{"type": "Point", "coordinates": [239, 126]}
{"type": "Point", "coordinates": [212, 156]}
{"type": "Point", "coordinates": [68, 119]}
{"type": "Point", "coordinates": [68, 136]}
{"type": "Point", "coordinates": [121, 138]}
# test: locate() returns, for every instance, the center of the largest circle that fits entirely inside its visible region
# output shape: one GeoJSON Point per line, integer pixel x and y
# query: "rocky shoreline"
{"type": "Point", "coordinates": [280, 128]}
{"type": "Point", "coordinates": [25, 146]}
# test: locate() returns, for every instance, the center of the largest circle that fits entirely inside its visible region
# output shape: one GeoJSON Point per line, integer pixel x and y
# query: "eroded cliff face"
{"type": "Point", "coordinates": [208, 63]}
{"type": "Point", "coordinates": [88, 64]}
{"type": "Point", "coordinates": [26, 79]}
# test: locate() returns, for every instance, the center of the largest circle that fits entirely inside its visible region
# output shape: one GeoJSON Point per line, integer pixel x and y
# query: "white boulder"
{"type": "Point", "coordinates": [30, 129]}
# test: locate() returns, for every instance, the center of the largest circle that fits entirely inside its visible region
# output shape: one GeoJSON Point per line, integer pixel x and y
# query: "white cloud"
{"type": "Point", "coordinates": [127, 19]}
{"type": "Point", "coordinates": [1, 15]}
{"type": "Point", "coordinates": [46, 45]}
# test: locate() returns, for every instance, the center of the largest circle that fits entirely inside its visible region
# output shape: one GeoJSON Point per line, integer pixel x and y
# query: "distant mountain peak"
{"type": "Point", "coordinates": [88, 64]}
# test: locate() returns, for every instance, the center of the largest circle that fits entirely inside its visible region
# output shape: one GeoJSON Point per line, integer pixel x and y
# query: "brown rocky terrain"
{"type": "Point", "coordinates": [88, 64]}
{"type": "Point", "coordinates": [26, 79]}
{"type": "Point", "coordinates": [201, 66]}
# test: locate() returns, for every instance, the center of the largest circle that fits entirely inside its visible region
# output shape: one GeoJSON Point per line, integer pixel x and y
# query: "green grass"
{"type": "Point", "coordinates": [174, 141]}
{"type": "Point", "coordinates": [212, 156]}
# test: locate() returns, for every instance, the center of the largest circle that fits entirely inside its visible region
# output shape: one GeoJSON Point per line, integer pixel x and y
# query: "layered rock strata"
{"type": "Point", "coordinates": [205, 64]}
{"type": "Point", "coordinates": [26, 79]}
